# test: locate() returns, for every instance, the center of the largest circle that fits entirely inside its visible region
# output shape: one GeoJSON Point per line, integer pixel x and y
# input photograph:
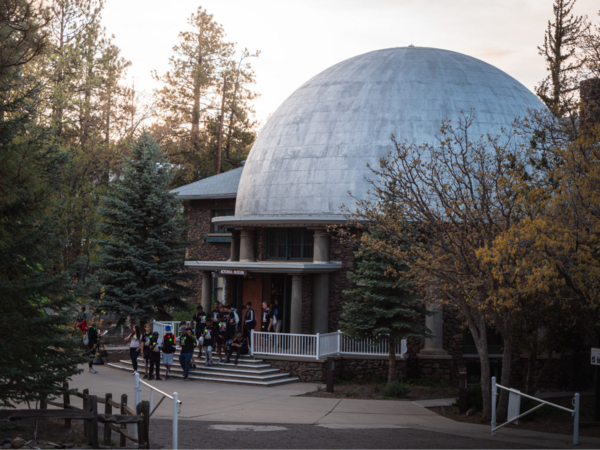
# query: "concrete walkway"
{"type": "Point", "coordinates": [217, 402]}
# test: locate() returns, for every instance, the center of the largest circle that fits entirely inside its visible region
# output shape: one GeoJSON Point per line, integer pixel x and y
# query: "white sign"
{"type": "Point", "coordinates": [595, 356]}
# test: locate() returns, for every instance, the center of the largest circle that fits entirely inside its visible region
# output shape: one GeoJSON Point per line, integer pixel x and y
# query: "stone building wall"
{"type": "Point", "coordinates": [199, 215]}
{"type": "Point", "coordinates": [346, 369]}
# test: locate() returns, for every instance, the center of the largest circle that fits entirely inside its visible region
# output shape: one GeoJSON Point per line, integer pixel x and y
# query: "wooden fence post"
{"type": "Point", "coordinates": [123, 441]}
{"type": "Point", "coordinates": [86, 427]}
{"type": "Point", "coordinates": [43, 404]}
{"type": "Point", "coordinates": [66, 402]}
{"type": "Point", "coordinates": [107, 410]}
{"type": "Point", "coordinates": [93, 403]}
{"type": "Point", "coordinates": [143, 409]}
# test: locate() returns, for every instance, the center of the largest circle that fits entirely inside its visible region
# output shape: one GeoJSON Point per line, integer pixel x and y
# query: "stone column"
{"type": "Point", "coordinates": [247, 246]}
{"type": "Point", "coordinates": [435, 323]}
{"type": "Point", "coordinates": [321, 246]}
{"type": "Point", "coordinates": [235, 245]}
{"type": "Point", "coordinates": [320, 303]}
{"type": "Point", "coordinates": [206, 291]}
{"type": "Point", "coordinates": [296, 307]}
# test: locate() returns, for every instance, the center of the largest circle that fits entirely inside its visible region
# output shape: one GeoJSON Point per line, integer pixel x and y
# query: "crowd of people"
{"type": "Point", "coordinates": [220, 330]}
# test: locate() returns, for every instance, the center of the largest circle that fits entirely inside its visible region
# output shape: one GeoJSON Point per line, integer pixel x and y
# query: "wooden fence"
{"type": "Point", "coordinates": [89, 414]}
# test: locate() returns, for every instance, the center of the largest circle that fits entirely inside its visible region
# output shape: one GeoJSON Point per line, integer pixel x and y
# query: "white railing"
{"type": "Point", "coordinates": [138, 399]}
{"type": "Point", "coordinates": [160, 327]}
{"type": "Point", "coordinates": [319, 345]}
{"type": "Point", "coordinates": [514, 409]}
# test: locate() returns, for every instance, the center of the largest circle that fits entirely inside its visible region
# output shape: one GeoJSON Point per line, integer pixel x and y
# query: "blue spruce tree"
{"type": "Point", "coordinates": [142, 273]}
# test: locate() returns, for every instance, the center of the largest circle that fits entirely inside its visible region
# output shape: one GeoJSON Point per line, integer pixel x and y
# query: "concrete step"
{"type": "Point", "coordinates": [245, 381]}
{"type": "Point", "coordinates": [222, 367]}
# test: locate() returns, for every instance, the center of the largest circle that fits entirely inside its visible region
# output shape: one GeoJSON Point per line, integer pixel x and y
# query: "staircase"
{"type": "Point", "coordinates": [249, 371]}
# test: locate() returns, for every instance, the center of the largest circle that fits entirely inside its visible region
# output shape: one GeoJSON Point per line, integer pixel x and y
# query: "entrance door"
{"type": "Point", "coordinates": [252, 292]}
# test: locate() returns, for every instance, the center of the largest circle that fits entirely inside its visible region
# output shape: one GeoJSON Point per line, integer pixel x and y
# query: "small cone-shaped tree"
{"type": "Point", "coordinates": [382, 306]}
{"type": "Point", "coordinates": [142, 259]}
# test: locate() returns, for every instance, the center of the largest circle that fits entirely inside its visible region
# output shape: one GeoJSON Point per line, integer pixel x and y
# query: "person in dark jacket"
{"type": "Point", "coordinates": [239, 346]}
{"type": "Point", "coordinates": [154, 347]}
{"type": "Point", "coordinates": [249, 320]}
{"type": "Point", "coordinates": [188, 342]}
{"type": "Point", "coordinates": [92, 346]}
{"type": "Point", "coordinates": [145, 344]}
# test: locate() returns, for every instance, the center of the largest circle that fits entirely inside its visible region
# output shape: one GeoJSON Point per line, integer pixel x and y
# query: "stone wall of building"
{"type": "Point", "coordinates": [199, 215]}
{"type": "Point", "coordinates": [346, 369]}
{"type": "Point", "coordinates": [339, 281]}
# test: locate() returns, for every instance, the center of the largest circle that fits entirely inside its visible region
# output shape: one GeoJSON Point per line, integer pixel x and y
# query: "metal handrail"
{"type": "Point", "coordinates": [574, 412]}
{"type": "Point", "coordinates": [176, 404]}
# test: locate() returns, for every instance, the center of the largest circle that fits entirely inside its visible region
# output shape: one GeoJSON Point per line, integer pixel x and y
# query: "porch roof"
{"type": "Point", "coordinates": [289, 267]}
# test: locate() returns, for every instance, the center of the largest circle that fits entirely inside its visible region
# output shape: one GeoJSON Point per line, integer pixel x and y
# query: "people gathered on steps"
{"type": "Point", "coordinates": [221, 330]}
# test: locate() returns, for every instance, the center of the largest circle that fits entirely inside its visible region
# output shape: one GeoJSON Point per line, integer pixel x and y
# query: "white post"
{"type": "Point", "coordinates": [576, 422]}
{"type": "Point", "coordinates": [494, 389]}
{"type": "Point", "coordinates": [137, 398]}
{"type": "Point", "coordinates": [175, 402]}
{"type": "Point", "coordinates": [251, 342]}
{"type": "Point", "coordinates": [317, 349]}
{"type": "Point", "coordinates": [339, 341]}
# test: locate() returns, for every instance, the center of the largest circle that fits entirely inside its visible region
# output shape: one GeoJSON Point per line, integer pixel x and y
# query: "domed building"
{"type": "Point", "coordinates": [262, 228]}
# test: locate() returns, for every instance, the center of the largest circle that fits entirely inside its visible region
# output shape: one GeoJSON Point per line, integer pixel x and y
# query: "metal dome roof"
{"type": "Point", "coordinates": [315, 147]}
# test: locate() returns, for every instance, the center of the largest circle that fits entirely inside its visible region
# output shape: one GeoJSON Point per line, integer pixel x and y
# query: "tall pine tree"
{"type": "Point", "coordinates": [382, 305]}
{"type": "Point", "coordinates": [37, 351]}
{"type": "Point", "coordinates": [142, 275]}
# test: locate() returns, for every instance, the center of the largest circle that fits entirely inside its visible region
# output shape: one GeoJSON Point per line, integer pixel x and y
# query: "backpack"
{"type": "Point", "coordinates": [168, 343]}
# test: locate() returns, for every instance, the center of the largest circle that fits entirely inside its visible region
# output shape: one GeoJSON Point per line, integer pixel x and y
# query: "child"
{"type": "Point", "coordinates": [168, 349]}
{"type": "Point", "coordinates": [209, 341]}
{"type": "Point", "coordinates": [146, 347]}
{"type": "Point", "coordinates": [182, 331]}
{"type": "Point", "coordinates": [215, 312]}
{"type": "Point", "coordinates": [154, 348]}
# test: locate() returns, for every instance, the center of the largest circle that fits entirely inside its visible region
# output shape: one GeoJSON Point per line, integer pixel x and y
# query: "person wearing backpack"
{"type": "Point", "coordinates": [92, 337]}
{"type": "Point", "coordinates": [168, 350]}
{"type": "Point", "coordinates": [188, 342]}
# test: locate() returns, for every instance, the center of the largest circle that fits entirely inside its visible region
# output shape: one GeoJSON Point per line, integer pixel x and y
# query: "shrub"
{"type": "Point", "coordinates": [474, 396]}
{"type": "Point", "coordinates": [396, 389]}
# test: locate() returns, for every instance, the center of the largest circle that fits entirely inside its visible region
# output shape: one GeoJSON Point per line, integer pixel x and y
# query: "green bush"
{"type": "Point", "coordinates": [396, 389]}
{"type": "Point", "coordinates": [474, 396]}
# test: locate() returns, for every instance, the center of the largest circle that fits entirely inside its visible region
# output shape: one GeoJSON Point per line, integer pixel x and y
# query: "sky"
{"type": "Point", "coordinates": [298, 39]}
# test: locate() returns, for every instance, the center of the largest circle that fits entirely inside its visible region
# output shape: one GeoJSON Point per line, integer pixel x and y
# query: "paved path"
{"type": "Point", "coordinates": [224, 403]}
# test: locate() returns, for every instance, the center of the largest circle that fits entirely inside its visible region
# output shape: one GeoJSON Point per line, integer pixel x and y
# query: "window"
{"type": "Point", "coordinates": [295, 244]}
{"type": "Point", "coordinates": [216, 228]}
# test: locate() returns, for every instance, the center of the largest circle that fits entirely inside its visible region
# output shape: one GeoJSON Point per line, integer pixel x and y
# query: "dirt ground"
{"type": "Point", "coordinates": [546, 419]}
{"type": "Point", "coordinates": [47, 431]}
{"type": "Point", "coordinates": [375, 392]}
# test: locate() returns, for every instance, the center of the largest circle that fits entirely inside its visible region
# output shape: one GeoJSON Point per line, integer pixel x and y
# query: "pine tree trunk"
{"type": "Point", "coordinates": [220, 137]}
{"type": "Point", "coordinates": [392, 362]}
{"type": "Point", "coordinates": [196, 107]}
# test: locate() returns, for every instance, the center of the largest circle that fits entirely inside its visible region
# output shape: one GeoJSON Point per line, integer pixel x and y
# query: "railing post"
{"type": "Point", "coordinates": [136, 399]}
{"type": "Point", "coordinates": [86, 428]}
{"type": "Point", "coordinates": [494, 389]}
{"type": "Point", "coordinates": [251, 342]}
{"type": "Point", "coordinates": [339, 341]}
{"type": "Point", "coordinates": [66, 402]}
{"type": "Point", "coordinates": [317, 347]}
{"type": "Point", "coordinates": [123, 439]}
{"type": "Point", "coordinates": [143, 410]}
{"type": "Point", "coordinates": [576, 421]}
{"type": "Point", "coordinates": [175, 409]}
{"type": "Point", "coordinates": [93, 404]}
{"type": "Point", "coordinates": [107, 410]}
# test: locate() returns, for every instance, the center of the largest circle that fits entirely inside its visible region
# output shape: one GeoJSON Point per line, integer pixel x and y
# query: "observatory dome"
{"type": "Point", "coordinates": [315, 148]}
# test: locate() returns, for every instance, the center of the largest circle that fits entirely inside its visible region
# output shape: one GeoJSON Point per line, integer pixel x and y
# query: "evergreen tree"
{"type": "Point", "coordinates": [382, 305]}
{"type": "Point", "coordinates": [37, 352]}
{"type": "Point", "coordinates": [561, 38]}
{"type": "Point", "coordinates": [141, 260]}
